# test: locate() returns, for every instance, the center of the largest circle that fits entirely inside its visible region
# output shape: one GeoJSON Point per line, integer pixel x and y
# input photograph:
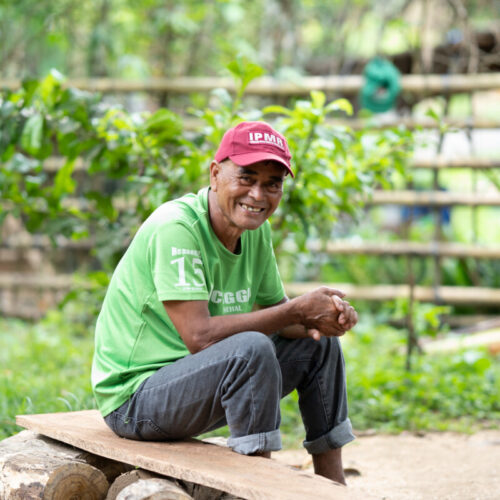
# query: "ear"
{"type": "Point", "coordinates": [215, 170]}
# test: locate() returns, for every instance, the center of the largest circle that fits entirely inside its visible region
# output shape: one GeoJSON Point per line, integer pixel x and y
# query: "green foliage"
{"type": "Point", "coordinates": [336, 168]}
{"type": "Point", "coordinates": [456, 391]}
{"type": "Point", "coordinates": [133, 39]}
{"type": "Point", "coordinates": [133, 162]}
{"type": "Point", "coordinates": [45, 368]}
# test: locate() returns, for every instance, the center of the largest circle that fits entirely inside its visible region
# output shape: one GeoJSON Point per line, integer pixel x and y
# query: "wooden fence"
{"type": "Point", "coordinates": [269, 86]}
{"type": "Point", "coordinates": [45, 288]}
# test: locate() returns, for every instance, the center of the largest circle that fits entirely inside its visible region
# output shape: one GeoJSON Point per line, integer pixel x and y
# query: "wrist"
{"type": "Point", "coordinates": [294, 313]}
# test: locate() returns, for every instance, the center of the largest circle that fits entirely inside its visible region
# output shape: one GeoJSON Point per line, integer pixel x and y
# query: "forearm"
{"type": "Point", "coordinates": [282, 317]}
{"type": "Point", "coordinates": [293, 332]}
{"type": "Point", "coordinates": [314, 314]}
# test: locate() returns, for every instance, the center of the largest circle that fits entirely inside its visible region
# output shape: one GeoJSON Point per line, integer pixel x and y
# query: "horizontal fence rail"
{"type": "Point", "coordinates": [403, 248]}
{"type": "Point", "coordinates": [53, 164]}
{"type": "Point", "coordinates": [469, 162]}
{"type": "Point", "coordinates": [433, 198]}
{"type": "Point", "coordinates": [268, 86]}
{"type": "Point", "coordinates": [10, 247]}
{"type": "Point", "coordinates": [404, 198]}
{"type": "Point", "coordinates": [453, 295]}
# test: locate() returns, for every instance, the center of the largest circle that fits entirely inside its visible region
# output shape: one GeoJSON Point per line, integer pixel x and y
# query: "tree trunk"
{"type": "Point", "coordinates": [153, 489]}
{"type": "Point", "coordinates": [33, 467]}
{"type": "Point", "coordinates": [124, 480]}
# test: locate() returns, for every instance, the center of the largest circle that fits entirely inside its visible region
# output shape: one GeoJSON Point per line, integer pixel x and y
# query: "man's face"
{"type": "Point", "coordinates": [246, 196]}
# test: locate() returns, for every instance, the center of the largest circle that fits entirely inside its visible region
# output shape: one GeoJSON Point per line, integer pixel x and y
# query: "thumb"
{"type": "Point", "coordinates": [314, 333]}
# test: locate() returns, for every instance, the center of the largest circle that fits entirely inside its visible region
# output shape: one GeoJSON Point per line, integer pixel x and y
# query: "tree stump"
{"type": "Point", "coordinates": [122, 481]}
{"type": "Point", "coordinates": [153, 489]}
{"type": "Point", "coordinates": [33, 467]}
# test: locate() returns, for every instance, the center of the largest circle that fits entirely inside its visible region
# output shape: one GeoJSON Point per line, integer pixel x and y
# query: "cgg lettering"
{"type": "Point", "coordinates": [241, 296]}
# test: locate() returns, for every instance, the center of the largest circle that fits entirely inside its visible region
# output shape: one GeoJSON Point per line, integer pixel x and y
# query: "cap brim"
{"type": "Point", "coordinates": [246, 159]}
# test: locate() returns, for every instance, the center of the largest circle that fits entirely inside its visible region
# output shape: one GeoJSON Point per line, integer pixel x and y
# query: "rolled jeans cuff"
{"type": "Point", "coordinates": [263, 441]}
{"type": "Point", "coordinates": [335, 438]}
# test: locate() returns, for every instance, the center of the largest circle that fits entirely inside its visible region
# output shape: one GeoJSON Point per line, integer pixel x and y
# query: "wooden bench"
{"type": "Point", "coordinates": [191, 462]}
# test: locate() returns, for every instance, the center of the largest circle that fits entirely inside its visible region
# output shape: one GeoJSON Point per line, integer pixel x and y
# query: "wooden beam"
{"type": "Point", "coordinates": [466, 162]}
{"type": "Point", "coordinates": [268, 86]}
{"type": "Point", "coordinates": [53, 164]}
{"type": "Point", "coordinates": [456, 295]}
{"type": "Point", "coordinates": [10, 247]}
{"type": "Point", "coordinates": [414, 123]}
{"type": "Point", "coordinates": [433, 198]}
{"type": "Point", "coordinates": [378, 197]}
{"type": "Point", "coordinates": [41, 281]}
{"type": "Point", "coordinates": [448, 294]}
{"type": "Point", "coordinates": [402, 248]}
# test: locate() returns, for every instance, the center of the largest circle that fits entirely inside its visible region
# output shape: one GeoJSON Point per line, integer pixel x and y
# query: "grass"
{"type": "Point", "coordinates": [45, 367]}
{"type": "Point", "coordinates": [456, 391]}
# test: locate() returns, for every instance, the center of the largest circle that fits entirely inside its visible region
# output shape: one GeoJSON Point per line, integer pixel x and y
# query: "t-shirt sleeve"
{"type": "Point", "coordinates": [176, 265]}
{"type": "Point", "coordinates": [271, 289]}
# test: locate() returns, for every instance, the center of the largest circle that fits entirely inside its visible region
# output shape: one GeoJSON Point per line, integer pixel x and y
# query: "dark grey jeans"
{"type": "Point", "coordinates": [239, 382]}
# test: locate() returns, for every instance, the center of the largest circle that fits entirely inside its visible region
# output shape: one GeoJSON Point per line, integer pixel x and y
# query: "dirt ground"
{"type": "Point", "coordinates": [441, 466]}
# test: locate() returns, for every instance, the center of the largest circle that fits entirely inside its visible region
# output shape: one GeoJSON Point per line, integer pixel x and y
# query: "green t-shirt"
{"type": "Point", "coordinates": [175, 255]}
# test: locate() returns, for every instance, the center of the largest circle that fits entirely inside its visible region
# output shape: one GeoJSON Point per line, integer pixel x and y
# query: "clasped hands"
{"type": "Point", "coordinates": [325, 313]}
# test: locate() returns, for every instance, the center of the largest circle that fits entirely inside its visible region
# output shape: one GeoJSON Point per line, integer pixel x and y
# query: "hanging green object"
{"type": "Point", "coordinates": [381, 87]}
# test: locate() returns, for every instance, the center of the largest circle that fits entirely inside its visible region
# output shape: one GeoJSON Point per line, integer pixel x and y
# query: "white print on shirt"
{"type": "Point", "coordinates": [185, 251]}
{"type": "Point", "coordinates": [197, 266]}
{"type": "Point", "coordinates": [226, 298]}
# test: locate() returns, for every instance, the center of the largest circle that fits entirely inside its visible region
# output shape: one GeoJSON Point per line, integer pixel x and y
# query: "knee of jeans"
{"type": "Point", "coordinates": [258, 347]}
{"type": "Point", "coordinates": [333, 348]}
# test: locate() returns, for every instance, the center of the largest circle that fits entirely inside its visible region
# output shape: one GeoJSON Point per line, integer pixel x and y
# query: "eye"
{"type": "Point", "coordinates": [275, 186]}
{"type": "Point", "coordinates": [246, 179]}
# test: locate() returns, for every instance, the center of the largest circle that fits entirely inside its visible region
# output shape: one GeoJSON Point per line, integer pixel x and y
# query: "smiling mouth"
{"type": "Point", "coordinates": [248, 208]}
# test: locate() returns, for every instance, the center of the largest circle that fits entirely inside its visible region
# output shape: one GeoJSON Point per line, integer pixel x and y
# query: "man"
{"type": "Point", "coordinates": [180, 348]}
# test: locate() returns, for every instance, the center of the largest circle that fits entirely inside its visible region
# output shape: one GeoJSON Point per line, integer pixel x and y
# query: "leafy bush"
{"type": "Point", "coordinates": [456, 391]}
{"type": "Point", "coordinates": [116, 167]}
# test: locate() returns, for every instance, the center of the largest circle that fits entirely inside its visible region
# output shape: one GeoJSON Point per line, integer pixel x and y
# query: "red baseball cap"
{"type": "Point", "coordinates": [251, 142]}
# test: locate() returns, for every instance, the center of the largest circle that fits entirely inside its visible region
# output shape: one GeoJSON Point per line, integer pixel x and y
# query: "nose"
{"type": "Point", "coordinates": [257, 192]}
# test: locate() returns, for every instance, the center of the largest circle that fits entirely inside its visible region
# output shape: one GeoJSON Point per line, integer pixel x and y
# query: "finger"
{"type": "Point", "coordinates": [333, 292]}
{"type": "Point", "coordinates": [353, 318]}
{"type": "Point", "coordinates": [338, 303]}
{"type": "Point", "coordinates": [337, 333]}
{"type": "Point", "coordinates": [314, 333]}
{"type": "Point", "coordinates": [355, 321]}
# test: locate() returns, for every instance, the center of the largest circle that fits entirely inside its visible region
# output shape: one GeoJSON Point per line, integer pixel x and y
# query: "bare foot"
{"type": "Point", "coordinates": [329, 465]}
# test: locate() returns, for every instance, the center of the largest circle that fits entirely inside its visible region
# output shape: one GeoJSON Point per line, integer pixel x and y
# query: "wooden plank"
{"type": "Point", "coordinates": [433, 198]}
{"type": "Point", "coordinates": [489, 339]}
{"type": "Point", "coordinates": [269, 86]}
{"type": "Point", "coordinates": [54, 163]}
{"type": "Point", "coordinates": [41, 281]}
{"type": "Point", "coordinates": [444, 294]}
{"type": "Point", "coordinates": [447, 294]}
{"type": "Point", "coordinates": [379, 197]}
{"type": "Point", "coordinates": [469, 162]}
{"type": "Point", "coordinates": [403, 248]}
{"type": "Point", "coordinates": [192, 460]}
{"type": "Point", "coordinates": [10, 246]}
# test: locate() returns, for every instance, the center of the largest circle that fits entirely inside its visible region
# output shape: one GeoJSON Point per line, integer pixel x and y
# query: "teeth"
{"type": "Point", "coordinates": [251, 209]}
